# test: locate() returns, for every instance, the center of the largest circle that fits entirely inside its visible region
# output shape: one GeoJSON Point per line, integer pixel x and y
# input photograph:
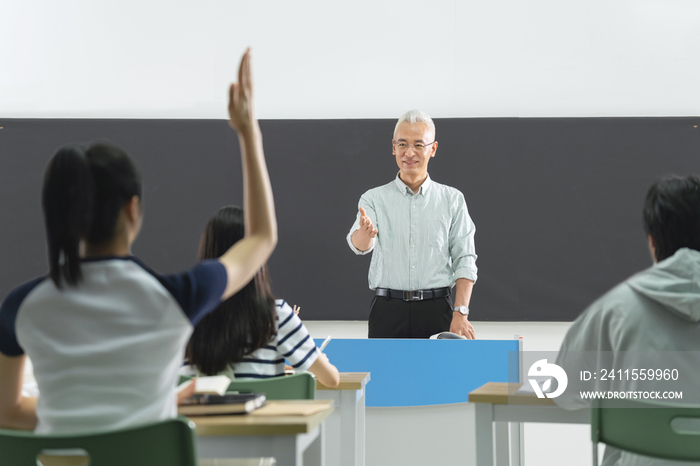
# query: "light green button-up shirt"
{"type": "Point", "coordinates": [425, 239]}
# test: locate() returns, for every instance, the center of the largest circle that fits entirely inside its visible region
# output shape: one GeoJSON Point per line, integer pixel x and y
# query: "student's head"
{"type": "Point", "coordinates": [672, 215]}
{"type": "Point", "coordinates": [414, 143]}
{"type": "Point", "coordinates": [91, 198]}
{"type": "Point", "coordinates": [242, 323]}
{"type": "Point", "coordinates": [222, 231]}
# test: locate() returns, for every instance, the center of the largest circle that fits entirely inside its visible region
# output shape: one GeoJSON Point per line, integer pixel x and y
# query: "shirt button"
{"type": "Point", "coordinates": [413, 226]}
{"type": "Point", "coordinates": [413, 245]}
{"type": "Point", "coordinates": [413, 266]}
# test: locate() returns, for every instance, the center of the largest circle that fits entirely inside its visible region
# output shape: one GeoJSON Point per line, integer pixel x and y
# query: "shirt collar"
{"type": "Point", "coordinates": [404, 189]}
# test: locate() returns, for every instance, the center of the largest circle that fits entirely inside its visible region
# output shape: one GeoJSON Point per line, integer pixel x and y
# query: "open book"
{"type": "Point", "coordinates": [212, 385]}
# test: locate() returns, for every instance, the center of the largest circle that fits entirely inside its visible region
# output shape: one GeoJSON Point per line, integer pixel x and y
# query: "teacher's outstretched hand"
{"type": "Point", "coordinates": [362, 238]}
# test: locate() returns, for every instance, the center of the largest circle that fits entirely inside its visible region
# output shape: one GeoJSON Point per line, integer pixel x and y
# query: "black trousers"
{"type": "Point", "coordinates": [396, 318]}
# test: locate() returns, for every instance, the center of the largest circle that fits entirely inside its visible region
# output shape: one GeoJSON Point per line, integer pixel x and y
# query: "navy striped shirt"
{"type": "Point", "coordinates": [292, 343]}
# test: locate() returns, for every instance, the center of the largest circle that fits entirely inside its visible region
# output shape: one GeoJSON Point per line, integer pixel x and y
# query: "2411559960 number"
{"type": "Point", "coordinates": [632, 374]}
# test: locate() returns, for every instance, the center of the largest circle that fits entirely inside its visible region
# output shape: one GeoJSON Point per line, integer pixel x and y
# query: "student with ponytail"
{"type": "Point", "coordinates": [104, 332]}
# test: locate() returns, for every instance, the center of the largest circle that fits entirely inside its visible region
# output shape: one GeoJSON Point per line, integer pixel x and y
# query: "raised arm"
{"type": "Point", "coordinates": [247, 256]}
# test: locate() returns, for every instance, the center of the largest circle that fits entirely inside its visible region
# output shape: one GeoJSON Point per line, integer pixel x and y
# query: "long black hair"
{"type": "Point", "coordinates": [84, 191]}
{"type": "Point", "coordinates": [244, 322]}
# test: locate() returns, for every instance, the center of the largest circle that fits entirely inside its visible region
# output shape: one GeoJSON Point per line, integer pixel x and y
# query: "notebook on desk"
{"type": "Point", "coordinates": [231, 403]}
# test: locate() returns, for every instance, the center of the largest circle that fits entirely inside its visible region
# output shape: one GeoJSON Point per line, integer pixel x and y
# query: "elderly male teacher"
{"type": "Point", "coordinates": [422, 240]}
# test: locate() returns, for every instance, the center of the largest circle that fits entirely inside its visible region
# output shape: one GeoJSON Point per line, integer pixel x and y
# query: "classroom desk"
{"type": "Point", "coordinates": [286, 438]}
{"type": "Point", "coordinates": [497, 408]}
{"type": "Point", "coordinates": [349, 395]}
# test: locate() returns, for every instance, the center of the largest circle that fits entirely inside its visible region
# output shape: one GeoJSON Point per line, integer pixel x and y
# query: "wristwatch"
{"type": "Point", "coordinates": [464, 310]}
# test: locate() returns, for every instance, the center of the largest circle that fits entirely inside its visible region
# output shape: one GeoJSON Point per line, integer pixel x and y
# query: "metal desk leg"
{"type": "Point", "coordinates": [501, 441]}
{"type": "Point", "coordinates": [348, 427]}
{"type": "Point", "coordinates": [315, 453]}
{"type": "Point", "coordinates": [483, 417]}
{"type": "Point", "coordinates": [360, 428]}
{"type": "Point", "coordinates": [516, 443]}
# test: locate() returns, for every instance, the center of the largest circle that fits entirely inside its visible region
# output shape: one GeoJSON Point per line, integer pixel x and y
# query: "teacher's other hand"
{"type": "Point", "coordinates": [461, 326]}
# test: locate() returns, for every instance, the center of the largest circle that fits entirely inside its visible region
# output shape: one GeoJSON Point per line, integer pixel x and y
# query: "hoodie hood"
{"type": "Point", "coordinates": [674, 283]}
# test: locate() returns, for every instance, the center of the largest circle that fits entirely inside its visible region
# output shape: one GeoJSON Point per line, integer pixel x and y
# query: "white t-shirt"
{"type": "Point", "coordinates": [106, 353]}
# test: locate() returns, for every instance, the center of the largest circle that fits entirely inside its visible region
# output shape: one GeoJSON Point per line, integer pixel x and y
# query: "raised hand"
{"type": "Point", "coordinates": [366, 227]}
{"type": "Point", "coordinates": [240, 104]}
{"type": "Point", "coordinates": [246, 256]}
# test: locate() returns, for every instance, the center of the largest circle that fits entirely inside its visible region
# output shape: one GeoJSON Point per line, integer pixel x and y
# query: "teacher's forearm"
{"type": "Point", "coordinates": [361, 241]}
{"type": "Point", "coordinates": [463, 291]}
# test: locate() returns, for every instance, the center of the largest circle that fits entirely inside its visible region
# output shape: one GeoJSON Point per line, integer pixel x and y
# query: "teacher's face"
{"type": "Point", "coordinates": [413, 145]}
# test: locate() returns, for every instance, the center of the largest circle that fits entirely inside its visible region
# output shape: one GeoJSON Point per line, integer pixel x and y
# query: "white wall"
{"type": "Point", "coordinates": [360, 59]}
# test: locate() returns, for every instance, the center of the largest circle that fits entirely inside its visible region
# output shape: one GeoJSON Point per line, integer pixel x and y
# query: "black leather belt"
{"type": "Point", "coordinates": [415, 295]}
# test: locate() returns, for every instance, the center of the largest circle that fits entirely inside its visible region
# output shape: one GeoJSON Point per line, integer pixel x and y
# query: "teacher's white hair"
{"type": "Point", "coordinates": [416, 116]}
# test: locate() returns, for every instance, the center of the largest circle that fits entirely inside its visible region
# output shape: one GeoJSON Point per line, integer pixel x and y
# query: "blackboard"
{"type": "Point", "coordinates": [557, 202]}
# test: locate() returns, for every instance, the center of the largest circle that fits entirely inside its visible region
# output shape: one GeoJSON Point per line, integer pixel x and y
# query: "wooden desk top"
{"type": "Point", "coordinates": [501, 393]}
{"type": "Point", "coordinates": [263, 425]}
{"type": "Point", "coordinates": [348, 381]}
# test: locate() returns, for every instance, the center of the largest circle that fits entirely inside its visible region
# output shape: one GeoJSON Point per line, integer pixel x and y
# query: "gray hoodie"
{"type": "Point", "coordinates": [650, 320]}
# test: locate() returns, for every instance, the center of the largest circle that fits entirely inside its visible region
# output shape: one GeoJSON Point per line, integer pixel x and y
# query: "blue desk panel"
{"type": "Point", "coordinates": [424, 372]}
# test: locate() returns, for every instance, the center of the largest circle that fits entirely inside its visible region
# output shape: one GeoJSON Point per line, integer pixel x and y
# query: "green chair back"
{"type": "Point", "coordinates": [166, 443]}
{"type": "Point", "coordinates": [662, 431]}
{"type": "Point", "coordinates": [287, 387]}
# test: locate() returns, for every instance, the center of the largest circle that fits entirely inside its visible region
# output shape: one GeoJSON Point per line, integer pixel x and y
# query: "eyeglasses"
{"type": "Point", "coordinates": [418, 147]}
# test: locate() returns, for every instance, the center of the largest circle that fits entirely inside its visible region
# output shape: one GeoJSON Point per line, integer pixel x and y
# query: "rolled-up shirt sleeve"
{"type": "Point", "coordinates": [367, 205]}
{"type": "Point", "coordinates": [462, 249]}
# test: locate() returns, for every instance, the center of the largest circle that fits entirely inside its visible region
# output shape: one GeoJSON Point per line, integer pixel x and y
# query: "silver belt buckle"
{"type": "Point", "coordinates": [416, 295]}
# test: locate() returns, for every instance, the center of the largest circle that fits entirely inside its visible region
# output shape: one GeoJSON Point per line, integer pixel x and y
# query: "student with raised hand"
{"type": "Point", "coordinates": [250, 335]}
{"type": "Point", "coordinates": [104, 332]}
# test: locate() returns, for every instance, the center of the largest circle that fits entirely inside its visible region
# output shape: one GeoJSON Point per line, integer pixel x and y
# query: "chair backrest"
{"type": "Point", "coordinates": [166, 443]}
{"type": "Point", "coordinates": [287, 387]}
{"type": "Point", "coordinates": [659, 430]}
